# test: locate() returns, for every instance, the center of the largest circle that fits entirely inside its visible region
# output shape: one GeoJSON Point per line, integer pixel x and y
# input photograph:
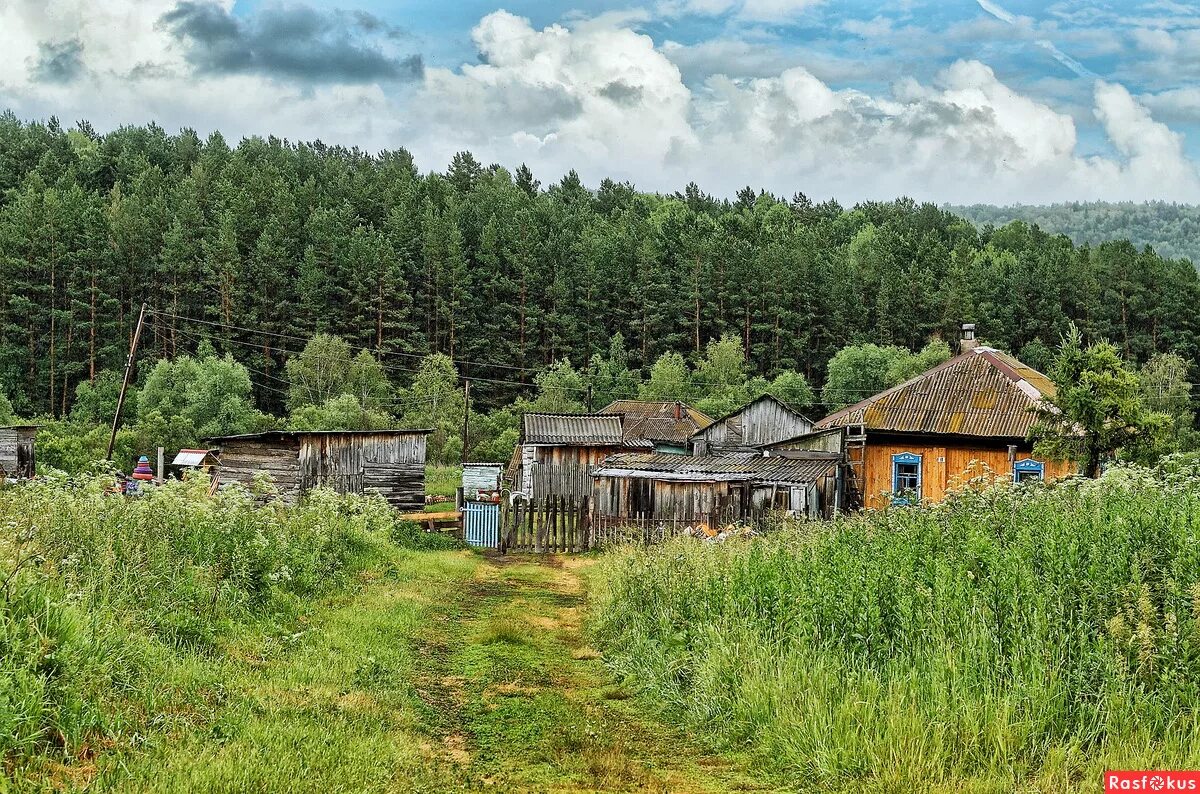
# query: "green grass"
{"type": "Point", "coordinates": [1013, 639]}
{"type": "Point", "coordinates": [185, 643]}
{"type": "Point", "coordinates": [442, 480]}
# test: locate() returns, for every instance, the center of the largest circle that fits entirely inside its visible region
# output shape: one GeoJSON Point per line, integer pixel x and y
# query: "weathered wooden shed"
{"type": "Point", "coordinates": [758, 422]}
{"type": "Point", "coordinates": [18, 456]}
{"type": "Point", "coordinates": [390, 463]}
{"type": "Point", "coordinates": [556, 452]}
{"type": "Point", "coordinates": [633, 487]}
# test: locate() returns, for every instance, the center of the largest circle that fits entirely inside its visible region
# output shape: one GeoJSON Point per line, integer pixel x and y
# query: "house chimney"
{"type": "Point", "coordinates": [967, 341]}
{"type": "Point", "coordinates": [678, 411]}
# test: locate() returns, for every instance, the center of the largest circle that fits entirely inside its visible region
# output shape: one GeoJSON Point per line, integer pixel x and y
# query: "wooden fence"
{"type": "Point", "coordinates": [559, 524]}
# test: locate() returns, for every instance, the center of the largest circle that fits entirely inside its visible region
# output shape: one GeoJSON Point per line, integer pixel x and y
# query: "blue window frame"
{"type": "Point", "coordinates": [906, 478]}
{"type": "Point", "coordinates": [1028, 470]}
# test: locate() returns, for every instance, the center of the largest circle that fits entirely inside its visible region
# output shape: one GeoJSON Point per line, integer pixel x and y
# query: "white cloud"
{"type": "Point", "coordinates": [964, 137]}
{"type": "Point", "coordinates": [598, 96]}
{"type": "Point", "coordinates": [595, 93]}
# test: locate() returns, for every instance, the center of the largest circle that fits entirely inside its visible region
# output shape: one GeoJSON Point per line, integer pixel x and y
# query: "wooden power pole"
{"type": "Point", "coordinates": [466, 416]}
{"type": "Point", "coordinates": [137, 336]}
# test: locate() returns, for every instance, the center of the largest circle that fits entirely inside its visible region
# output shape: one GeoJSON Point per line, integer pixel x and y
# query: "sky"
{"type": "Point", "coordinates": [986, 101]}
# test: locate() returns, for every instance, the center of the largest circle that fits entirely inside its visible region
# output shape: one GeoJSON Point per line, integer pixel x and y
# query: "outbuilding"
{"type": "Point", "coordinates": [715, 489]}
{"type": "Point", "coordinates": [760, 421]}
{"type": "Point", "coordinates": [390, 463]}
{"type": "Point", "coordinates": [18, 457]}
{"type": "Point", "coordinates": [557, 451]}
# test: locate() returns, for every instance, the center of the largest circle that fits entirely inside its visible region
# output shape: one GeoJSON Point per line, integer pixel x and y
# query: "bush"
{"type": "Point", "coordinates": [1014, 634]}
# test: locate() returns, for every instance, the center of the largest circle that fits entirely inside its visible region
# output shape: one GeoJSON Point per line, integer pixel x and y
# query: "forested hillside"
{"type": "Point", "coordinates": [1173, 230]}
{"type": "Point", "coordinates": [500, 272]}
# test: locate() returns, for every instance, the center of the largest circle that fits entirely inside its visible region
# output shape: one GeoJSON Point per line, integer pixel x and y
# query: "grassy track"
{"type": "Point", "coordinates": [448, 671]}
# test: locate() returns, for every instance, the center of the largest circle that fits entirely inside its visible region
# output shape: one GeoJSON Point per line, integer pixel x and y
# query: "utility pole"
{"type": "Point", "coordinates": [137, 336]}
{"type": "Point", "coordinates": [466, 416]}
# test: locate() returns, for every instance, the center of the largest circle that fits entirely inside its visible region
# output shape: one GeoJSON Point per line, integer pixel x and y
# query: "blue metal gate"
{"type": "Point", "coordinates": [481, 524]}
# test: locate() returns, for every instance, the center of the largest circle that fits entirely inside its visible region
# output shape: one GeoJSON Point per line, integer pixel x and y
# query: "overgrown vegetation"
{"type": "Point", "coordinates": [1022, 637]}
{"type": "Point", "coordinates": [115, 611]}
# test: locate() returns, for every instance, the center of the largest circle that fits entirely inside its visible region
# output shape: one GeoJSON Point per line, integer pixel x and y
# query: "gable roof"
{"type": "Point", "coordinates": [982, 392]}
{"type": "Point", "coordinates": [735, 413]}
{"type": "Point", "coordinates": [664, 421]}
{"type": "Point", "coordinates": [576, 430]}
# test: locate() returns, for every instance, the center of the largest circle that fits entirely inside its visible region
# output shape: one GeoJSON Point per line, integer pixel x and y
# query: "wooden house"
{"type": "Point", "coordinates": [761, 421]}
{"type": "Point", "coordinates": [967, 417]}
{"type": "Point", "coordinates": [390, 463]}
{"type": "Point", "coordinates": [714, 489]}
{"type": "Point", "coordinates": [556, 452]}
{"type": "Point", "coordinates": [18, 456]}
{"type": "Point", "coordinates": [667, 424]}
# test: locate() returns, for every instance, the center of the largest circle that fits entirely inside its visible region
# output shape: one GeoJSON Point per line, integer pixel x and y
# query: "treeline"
{"type": "Point", "coordinates": [1173, 230]}
{"type": "Point", "coordinates": [259, 247]}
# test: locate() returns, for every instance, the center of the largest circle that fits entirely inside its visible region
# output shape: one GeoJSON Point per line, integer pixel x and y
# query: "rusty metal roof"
{"type": "Point", "coordinates": [717, 468]}
{"type": "Point", "coordinates": [574, 430]}
{"type": "Point", "coordinates": [666, 421]}
{"type": "Point", "coordinates": [981, 392]}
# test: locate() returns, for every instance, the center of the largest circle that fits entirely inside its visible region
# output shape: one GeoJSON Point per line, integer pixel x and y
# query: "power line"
{"type": "Point", "coordinates": [575, 389]}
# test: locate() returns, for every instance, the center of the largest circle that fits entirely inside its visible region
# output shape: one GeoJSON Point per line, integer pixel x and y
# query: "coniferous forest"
{"type": "Point", "coordinates": [256, 247]}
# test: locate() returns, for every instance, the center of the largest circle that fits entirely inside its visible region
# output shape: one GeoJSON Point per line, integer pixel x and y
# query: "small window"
{"type": "Point", "coordinates": [1028, 470]}
{"type": "Point", "coordinates": [906, 478]}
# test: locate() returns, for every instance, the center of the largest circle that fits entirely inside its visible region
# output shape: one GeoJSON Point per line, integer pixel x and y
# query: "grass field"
{"type": "Point", "coordinates": [1015, 640]}
{"type": "Point", "coordinates": [177, 643]}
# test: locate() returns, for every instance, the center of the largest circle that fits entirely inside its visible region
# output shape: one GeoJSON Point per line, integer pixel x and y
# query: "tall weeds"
{"type": "Point", "coordinates": [1017, 635]}
{"type": "Point", "coordinates": [104, 597]}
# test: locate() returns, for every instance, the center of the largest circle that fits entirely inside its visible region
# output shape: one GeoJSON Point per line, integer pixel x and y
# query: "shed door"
{"type": "Point", "coordinates": [25, 459]}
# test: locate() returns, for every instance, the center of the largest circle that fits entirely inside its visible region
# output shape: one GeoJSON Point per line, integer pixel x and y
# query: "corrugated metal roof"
{"type": "Point", "coordinates": [981, 392]}
{"type": "Point", "coordinates": [576, 430]}
{"type": "Point", "coordinates": [665, 421]}
{"type": "Point", "coordinates": [191, 457]}
{"type": "Point", "coordinates": [717, 468]}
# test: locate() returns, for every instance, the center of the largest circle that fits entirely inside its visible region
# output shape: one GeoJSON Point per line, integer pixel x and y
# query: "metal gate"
{"type": "Point", "coordinates": [481, 524]}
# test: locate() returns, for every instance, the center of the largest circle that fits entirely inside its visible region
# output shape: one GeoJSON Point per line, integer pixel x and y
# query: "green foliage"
{"type": "Point", "coordinates": [96, 401]}
{"type": "Point", "coordinates": [1164, 381]}
{"type": "Point", "coordinates": [320, 372]}
{"type": "Point", "coordinates": [1164, 226]}
{"type": "Point", "coordinates": [1099, 407]}
{"type": "Point", "coordinates": [979, 643]}
{"type": "Point", "coordinates": [858, 371]}
{"type": "Point", "coordinates": [343, 412]}
{"type": "Point", "coordinates": [435, 401]}
{"type": "Point", "coordinates": [793, 389]}
{"type": "Point", "coordinates": [6, 410]}
{"type": "Point", "coordinates": [212, 392]}
{"type": "Point", "coordinates": [670, 379]}
{"type": "Point", "coordinates": [294, 240]}
{"type": "Point", "coordinates": [104, 596]}
{"type": "Point", "coordinates": [610, 376]}
{"type": "Point", "coordinates": [913, 364]}
{"type": "Point", "coordinates": [560, 390]}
